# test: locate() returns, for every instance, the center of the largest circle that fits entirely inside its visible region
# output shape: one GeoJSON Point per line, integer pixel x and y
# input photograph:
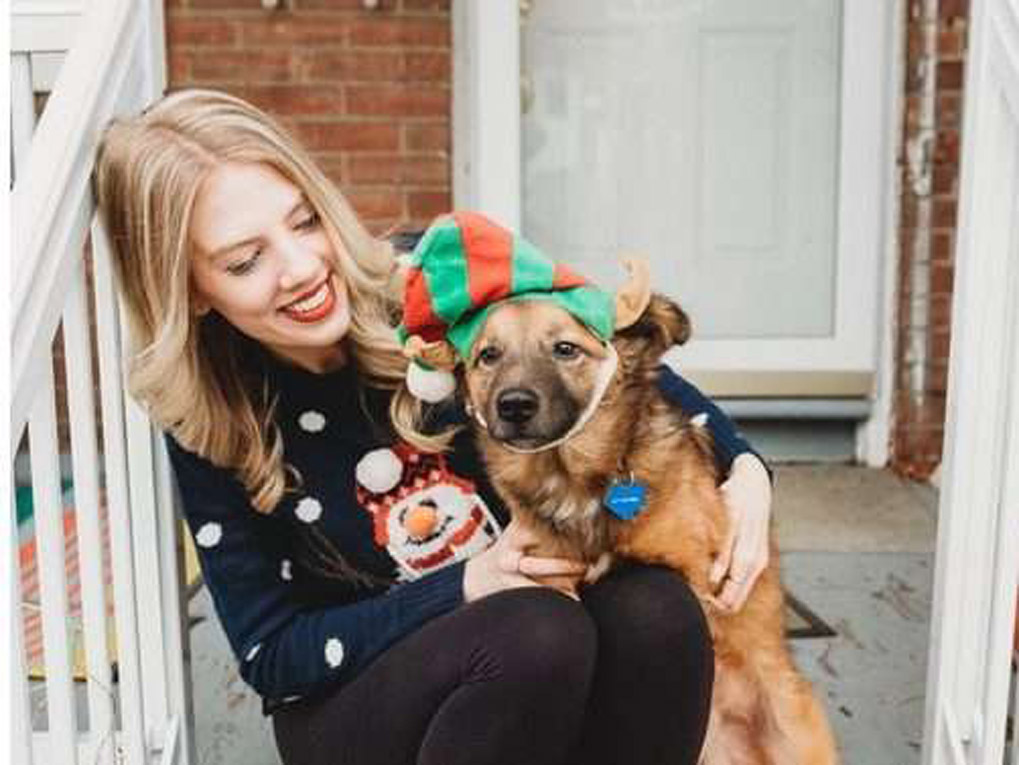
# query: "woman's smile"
{"type": "Point", "coordinates": [312, 306]}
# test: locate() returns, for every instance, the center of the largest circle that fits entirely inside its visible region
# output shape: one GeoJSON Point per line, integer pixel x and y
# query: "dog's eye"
{"type": "Point", "coordinates": [489, 354]}
{"type": "Point", "coordinates": [565, 350]}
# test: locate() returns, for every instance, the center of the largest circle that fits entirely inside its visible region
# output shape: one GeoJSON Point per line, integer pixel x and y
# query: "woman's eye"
{"type": "Point", "coordinates": [565, 350]}
{"type": "Point", "coordinates": [242, 267]}
{"type": "Point", "coordinates": [489, 354]}
{"type": "Point", "coordinates": [308, 222]}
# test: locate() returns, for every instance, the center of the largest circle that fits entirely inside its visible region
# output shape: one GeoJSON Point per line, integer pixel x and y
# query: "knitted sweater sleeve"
{"type": "Point", "coordinates": [285, 648]}
{"type": "Point", "coordinates": [728, 442]}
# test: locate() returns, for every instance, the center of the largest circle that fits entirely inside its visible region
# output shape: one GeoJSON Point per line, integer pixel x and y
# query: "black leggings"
{"type": "Point", "coordinates": [527, 676]}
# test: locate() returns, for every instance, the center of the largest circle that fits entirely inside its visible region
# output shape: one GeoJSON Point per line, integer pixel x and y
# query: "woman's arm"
{"type": "Point", "coordinates": [286, 649]}
{"type": "Point", "coordinates": [746, 487]}
{"type": "Point", "coordinates": [728, 442]}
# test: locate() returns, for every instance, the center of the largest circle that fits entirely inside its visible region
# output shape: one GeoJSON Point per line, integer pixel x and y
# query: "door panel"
{"type": "Point", "coordinates": [703, 136]}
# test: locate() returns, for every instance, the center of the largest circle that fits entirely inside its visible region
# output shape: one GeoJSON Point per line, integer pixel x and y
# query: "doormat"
{"type": "Point", "coordinates": [802, 623]}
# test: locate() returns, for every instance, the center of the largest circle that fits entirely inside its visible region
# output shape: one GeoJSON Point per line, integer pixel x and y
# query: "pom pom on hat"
{"type": "Point", "coordinates": [429, 385]}
{"type": "Point", "coordinates": [379, 470]}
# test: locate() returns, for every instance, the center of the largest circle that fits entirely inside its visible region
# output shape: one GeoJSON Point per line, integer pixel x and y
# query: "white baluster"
{"type": "Point", "coordinates": [81, 413]}
{"type": "Point", "coordinates": [49, 539]}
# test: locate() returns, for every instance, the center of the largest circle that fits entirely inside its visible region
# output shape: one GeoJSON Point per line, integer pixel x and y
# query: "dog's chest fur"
{"type": "Point", "coordinates": [561, 492]}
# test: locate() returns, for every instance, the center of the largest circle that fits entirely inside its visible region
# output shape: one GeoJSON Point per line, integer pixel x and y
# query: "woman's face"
{"type": "Point", "coordinates": [262, 260]}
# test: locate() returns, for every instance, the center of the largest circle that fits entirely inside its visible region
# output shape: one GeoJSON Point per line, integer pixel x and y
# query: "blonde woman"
{"type": "Point", "coordinates": [261, 315]}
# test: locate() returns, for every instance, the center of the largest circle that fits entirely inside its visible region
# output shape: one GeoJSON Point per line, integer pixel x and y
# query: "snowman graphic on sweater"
{"type": "Point", "coordinates": [424, 515]}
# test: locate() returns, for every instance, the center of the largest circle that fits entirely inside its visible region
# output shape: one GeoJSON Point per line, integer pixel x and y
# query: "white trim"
{"type": "Point", "coordinates": [874, 435]}
{"type": "Point", "coordinates": [44, 27]}
{"type": "Point", "coordinates": [486, 108]}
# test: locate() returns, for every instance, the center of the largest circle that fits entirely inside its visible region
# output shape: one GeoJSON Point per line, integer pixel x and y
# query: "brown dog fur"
{"type": "Point", "coordinates": [763, 710]}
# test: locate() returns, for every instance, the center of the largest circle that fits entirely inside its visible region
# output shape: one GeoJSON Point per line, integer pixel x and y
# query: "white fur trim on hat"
{"type": "Point", "coordinates": [430, 385]}
{"type": "Point", "coordinates": [379, 470]}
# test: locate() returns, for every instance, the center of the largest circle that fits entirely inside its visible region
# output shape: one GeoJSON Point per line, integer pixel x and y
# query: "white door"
{"type": "Point", "coordinates": [737, 145]}
{"type": "Point", "coordinates": [977, 573]}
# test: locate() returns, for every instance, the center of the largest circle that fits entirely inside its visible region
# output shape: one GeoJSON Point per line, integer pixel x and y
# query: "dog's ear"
{"type": "Point", "coordinates": [662, 325]}
{"type": "Point", "coordinates": [632, 298]}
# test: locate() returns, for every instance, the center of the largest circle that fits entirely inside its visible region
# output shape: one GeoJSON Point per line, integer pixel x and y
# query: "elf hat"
{"type": "Point", "coordinates": [463, 266]}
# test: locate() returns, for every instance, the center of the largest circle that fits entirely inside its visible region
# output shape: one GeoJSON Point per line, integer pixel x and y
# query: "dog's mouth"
{"type": "Point", "coordinates": [543, 428]}
{"type": "Point", "coordinates": [523, 441]}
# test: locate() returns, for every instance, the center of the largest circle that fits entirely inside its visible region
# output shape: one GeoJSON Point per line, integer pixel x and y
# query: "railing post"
{"type": "Point", "coordinates": [115, 62]}
{"type": "Point", "coordinates": [22, 110]}
{"type": "Point", "coordinates": [118, 502]}
{"type": "Point", "coordinates": [21, 733]}
{"type": "Point", "coordinates": [85, 461]}
{"type": "Point", "coordinates": [50, 546]}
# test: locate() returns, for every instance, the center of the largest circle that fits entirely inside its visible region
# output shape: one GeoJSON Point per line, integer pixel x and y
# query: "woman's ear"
{"type": "Point", "coordinates": [199, 305]}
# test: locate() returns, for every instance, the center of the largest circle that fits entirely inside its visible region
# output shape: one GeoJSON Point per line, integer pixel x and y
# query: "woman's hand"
{"type": "Point", "coordinates": [506, 565]}
{"type": "Point", "coordinates": [744, 553]}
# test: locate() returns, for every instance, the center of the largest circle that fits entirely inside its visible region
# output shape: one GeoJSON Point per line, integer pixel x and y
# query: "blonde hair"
{"type": "Point", "coordinates": [192, 373]}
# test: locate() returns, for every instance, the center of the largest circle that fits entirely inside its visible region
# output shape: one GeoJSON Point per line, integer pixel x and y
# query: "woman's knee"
{"type": "Point", "coordinates": [652, 610]}
{"type": "Point", "coordinates": [541, 634]}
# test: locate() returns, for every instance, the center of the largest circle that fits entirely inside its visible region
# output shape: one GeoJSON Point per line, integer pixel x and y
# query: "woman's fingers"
{"type": "Point", "coordinates": [741, 578]}
{"type": "Point", "coordinates": [530, 565]}
{"type": "Point", "coordinates": [721, 565]}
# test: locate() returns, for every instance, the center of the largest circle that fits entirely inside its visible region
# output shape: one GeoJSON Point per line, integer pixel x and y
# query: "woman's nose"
{"type": "Point", "coordinates": [300, 263]}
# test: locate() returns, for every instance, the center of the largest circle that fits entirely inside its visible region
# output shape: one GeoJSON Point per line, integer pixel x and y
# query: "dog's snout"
{"type": "Point", "coordinates": [517, 405]}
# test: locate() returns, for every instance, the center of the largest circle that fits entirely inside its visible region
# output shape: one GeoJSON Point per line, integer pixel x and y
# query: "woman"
{"type": "Point", "coordinates": [262, 317]}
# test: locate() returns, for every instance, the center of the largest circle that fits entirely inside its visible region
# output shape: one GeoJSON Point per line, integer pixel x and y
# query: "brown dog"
{"type": "Point", "coordinates": [532, 372]}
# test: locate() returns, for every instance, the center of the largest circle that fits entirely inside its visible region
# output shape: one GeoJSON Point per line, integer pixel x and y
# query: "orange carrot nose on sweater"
{"type": "Point", "coordinates": [420, 521]}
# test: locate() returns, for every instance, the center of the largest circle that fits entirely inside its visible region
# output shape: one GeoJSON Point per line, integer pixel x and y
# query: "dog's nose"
{"type": "Point", "coordinates": [516, 405]}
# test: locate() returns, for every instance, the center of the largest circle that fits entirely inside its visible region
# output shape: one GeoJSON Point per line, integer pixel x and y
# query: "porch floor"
{"type": "Point", "coordinates": [857, 550]}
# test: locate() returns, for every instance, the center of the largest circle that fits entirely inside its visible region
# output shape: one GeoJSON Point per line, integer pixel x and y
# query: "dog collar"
{"type": "Point", "coordinates": [605, 375]}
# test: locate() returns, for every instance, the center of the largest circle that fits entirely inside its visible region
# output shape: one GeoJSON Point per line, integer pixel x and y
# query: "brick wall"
{"type": "Point", "coordinates": [930, 172]}
{"type": "Point", "coordinates": [367, 91]}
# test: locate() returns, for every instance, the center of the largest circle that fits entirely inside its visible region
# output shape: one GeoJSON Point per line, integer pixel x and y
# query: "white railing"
{"type": "Point", "coordinates": [977, 570]}
{"type": "Point", "coordinates": [95, 59]}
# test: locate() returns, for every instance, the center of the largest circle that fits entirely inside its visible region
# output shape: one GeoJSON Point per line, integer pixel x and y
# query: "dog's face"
{"type": "Point", "coordinates": [534, 368]}
{"type": "Point", "coordinates": [532, 371]}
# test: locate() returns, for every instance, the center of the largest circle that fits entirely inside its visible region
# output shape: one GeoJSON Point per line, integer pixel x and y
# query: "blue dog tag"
{"type": "Point", "coordinates": [625, 500]}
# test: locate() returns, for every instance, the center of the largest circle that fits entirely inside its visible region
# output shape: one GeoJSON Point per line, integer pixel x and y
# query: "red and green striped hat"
{"type": "Point", "coordinates": [466, 263]}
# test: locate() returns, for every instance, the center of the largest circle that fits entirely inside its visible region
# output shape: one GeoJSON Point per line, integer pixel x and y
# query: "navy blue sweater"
{"type": "Point", "coordinates": [310, 594]}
